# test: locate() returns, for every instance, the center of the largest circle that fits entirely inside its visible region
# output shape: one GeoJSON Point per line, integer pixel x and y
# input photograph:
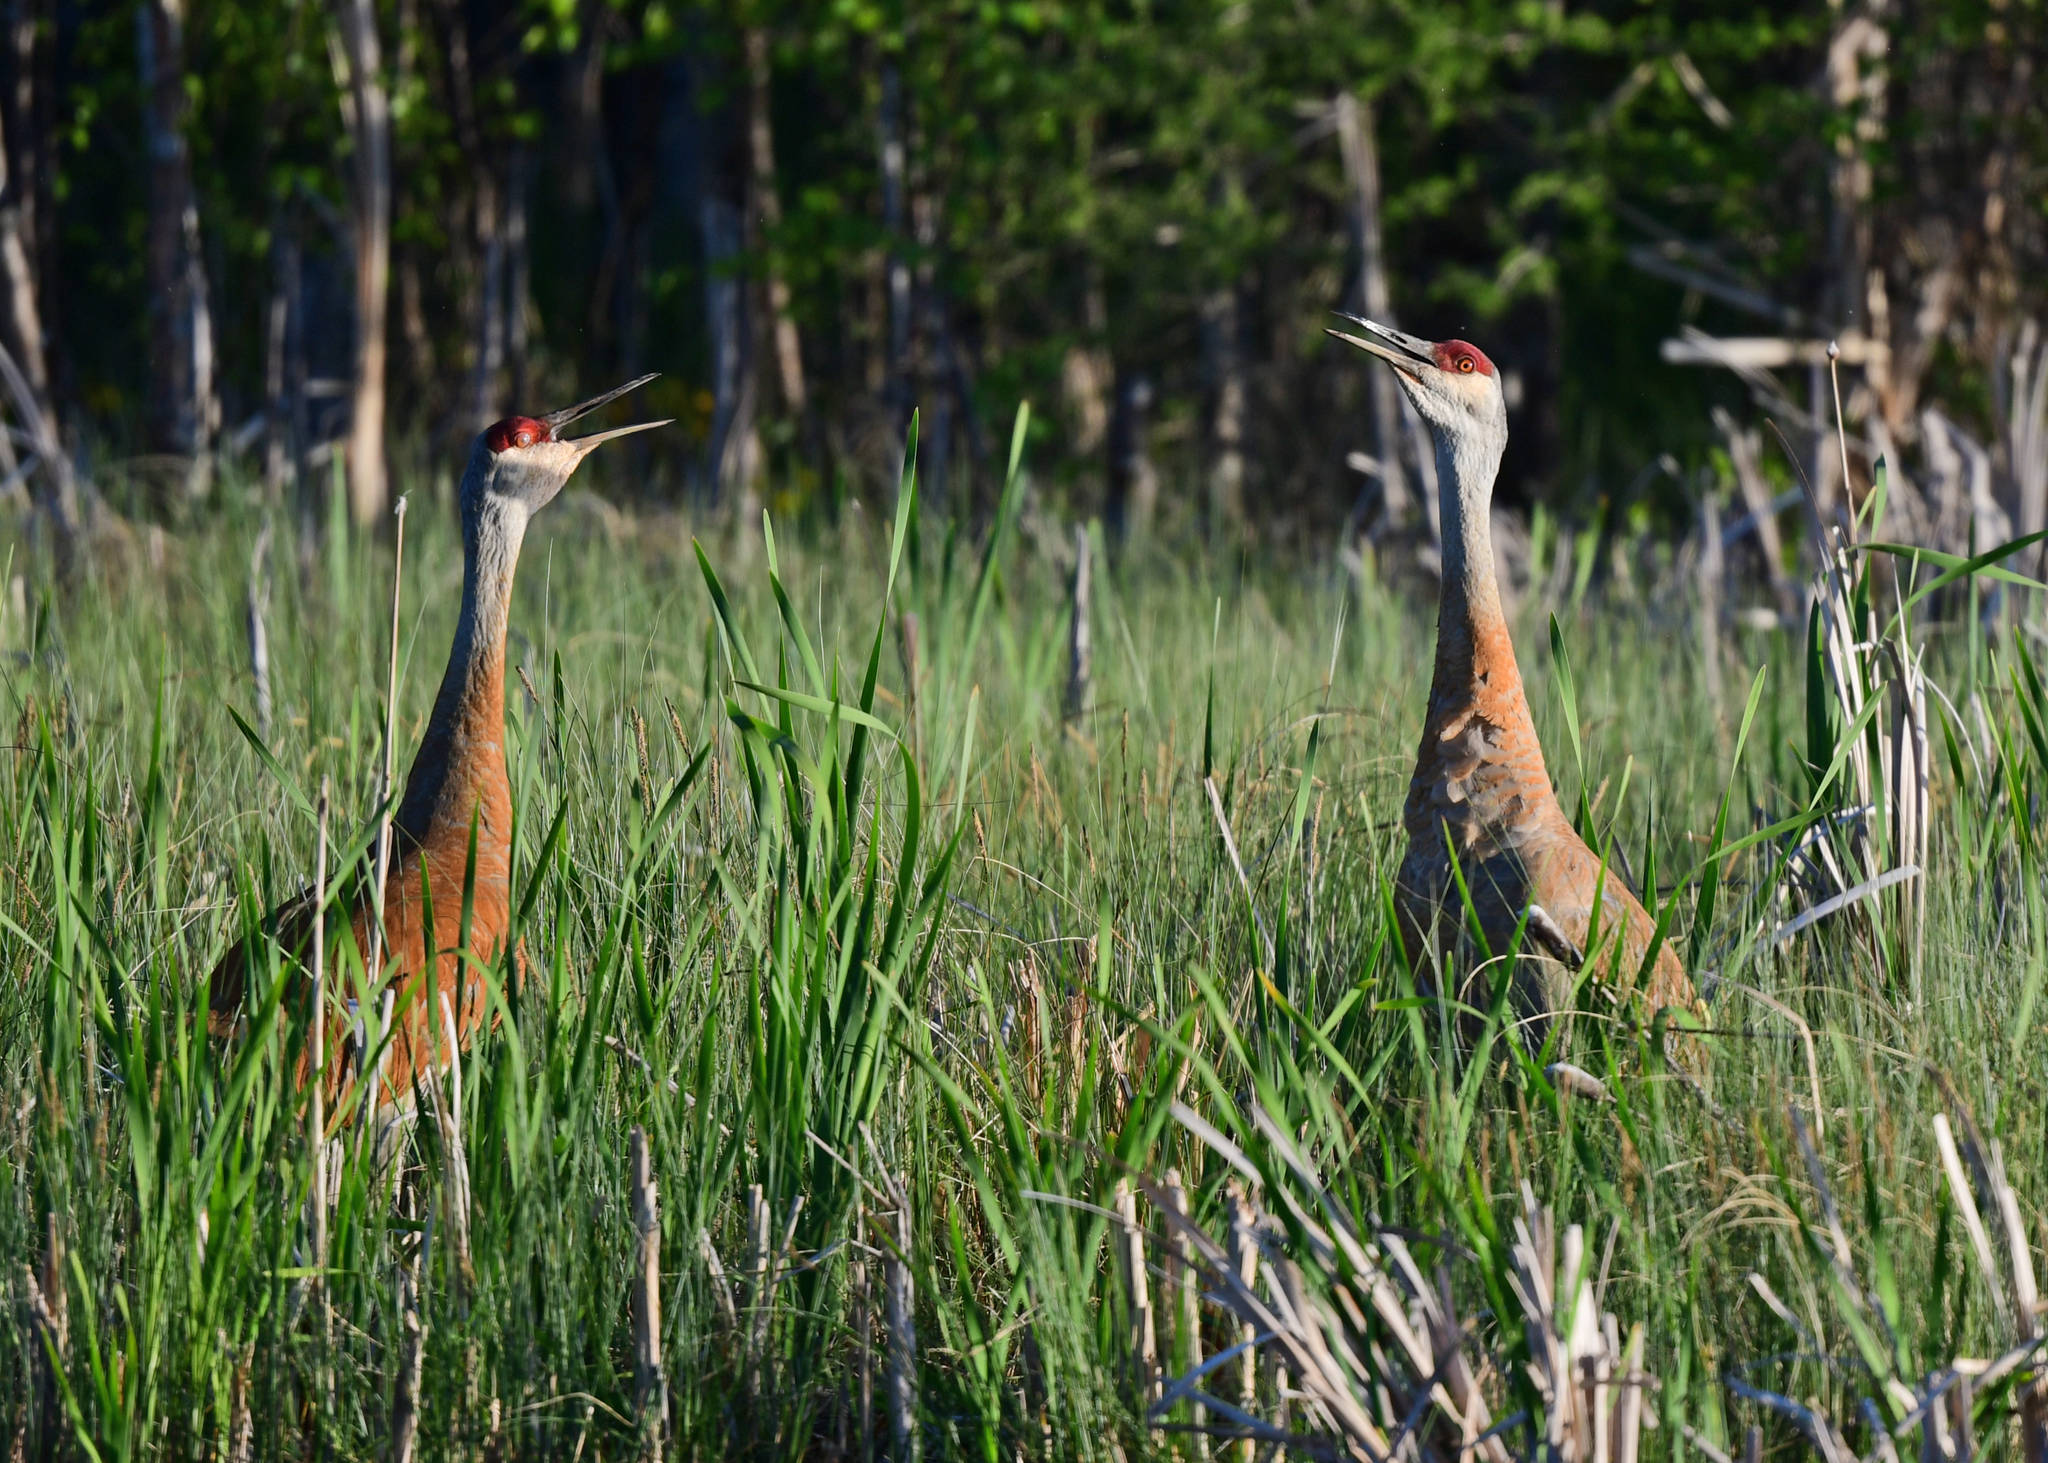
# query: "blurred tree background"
{"type": "Point", "coordinates": [292, 231]}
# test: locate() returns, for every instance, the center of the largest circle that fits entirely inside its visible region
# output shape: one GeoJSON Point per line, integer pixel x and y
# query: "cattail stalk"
{"type": "Point", "coordinates": [316, 1105]}
{"type": "Point", "coordinates": [900, 1299]}
{"type": "Point", "coordinates": [650, 1387]}
{"type": "Point", "coordinates": [1182, 1287]}
{"type": "Point", "coordinates": [1080, 653]}
{"type": "Point", "coordinates": [757, 1284]}
{"type": "Point", "coordinates": [412, 1354]}
{"type": "Point", "coordinates": [1143, 1338]}
{"type": "Point", "coordinates": [456, 1183]}
{"type": "Point", "coordinates": [259, 636]}
{"type": "Point", "coordinates": [374, 971]}
{"type": "Point", "coordinates": [1244, 1258]}
{"type": "Point", "coordinates": [857, 1289]}
{"type": "Point", "coordinates": [390, 737]}
{"type": "Point", "coordinates": [49, 1310]}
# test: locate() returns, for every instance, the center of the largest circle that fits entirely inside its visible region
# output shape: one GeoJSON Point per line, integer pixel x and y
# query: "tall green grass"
{"type": "Point", "coordinates": [818, 889]}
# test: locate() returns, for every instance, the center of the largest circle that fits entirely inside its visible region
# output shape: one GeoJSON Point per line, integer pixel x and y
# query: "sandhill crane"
{"type": "Point", "coordinates": [456, 789]}
{"type": "Point", "coordinates": [1480, 785]}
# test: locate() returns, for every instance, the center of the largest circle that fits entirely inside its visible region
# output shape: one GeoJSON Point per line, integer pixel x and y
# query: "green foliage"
{"type": "Point", "coordinates": [897, 925]}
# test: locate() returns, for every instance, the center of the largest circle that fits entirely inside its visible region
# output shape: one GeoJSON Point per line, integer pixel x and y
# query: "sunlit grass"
{"type": "Point", "coordinates": [947, 939]}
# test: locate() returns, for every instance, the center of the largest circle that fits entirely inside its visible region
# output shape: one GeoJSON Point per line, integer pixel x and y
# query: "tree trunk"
{"type": "Point", "coordinates": [1360, 149]}
{"type": "Point", "coordinates": [1223, 361]}
{"type": "Point", "coordinates": [734, 448]}
{"type": "Point", "coordinates": [1087, 372]}
{"type": "Point", "coordinates": [761, 188]}
{"type": "Point", "coordinates": [1133, 485]}
{"type": "Point", "coordinates": [484, 264]}
{"type": "Point", "coordinates": [366, 111]}
{"type": "Point", "coordinates": [24, 362]}
{"type": "Point", "coordinates": [487, 317]}
{"type": "Point", "coordinates": [889, 138]}
{"type": "Point", "coordinates": [182, 412]}
{"type": "Point", "coordinates": [280, 450]}
{"type": "Point", "coordinates": [518, 276]}
{"type": "Point", "coordinates": [936, 417]}
{"type": "Point", "coordinates": [1856, 81]}
{"type": "Point", "coordinates": [21, 316]}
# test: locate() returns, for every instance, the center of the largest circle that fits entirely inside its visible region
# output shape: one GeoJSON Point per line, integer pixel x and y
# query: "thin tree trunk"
{"type": "Point", "coordinates": [1223, 358]}
{"type": "Point", "coordinates": [1133, 484]}
{"type": "Point", "coordinates": [889, 137]}
{"type": "Point", "coordinates": [1359, 146]}
{"type": "Point", "coordinates": [733, 455]}
{"type": "Point", "coordinates": [487, 365]}
{"type": "Point", "coordinates": [280, 459]}
{"type": "Point", "coordinates": [485, 266]}
{"type": "Point", "coordinates": [935, 436]}
{"type": "Point", "coordinates": [182, 412]}
{"type": "Point", "coordinates": [761, 188]}
{"type": "Point", "coordinates": [1080, 694]}
{"type": "Point", "coordinates": [1087, 373]}
{"type": "Point", "coordinates": [519, 276]}
{"type": "Point", "coordinates": [24, 366]}
{"type": "Point", "coordinates": [1856, 81]}
{"type": "Point", "coordinates": [366, 110]}
{"type": "Point", "coordinates": [21, 316]}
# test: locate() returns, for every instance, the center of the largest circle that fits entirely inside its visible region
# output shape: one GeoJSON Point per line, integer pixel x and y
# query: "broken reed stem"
{"type": "Point", "coordinates": [1080, 653]}
{"type": "Point", "coordinates": [1237, 863]}
{"type": "Point", "coordinates": [376, 965]}
{"type": "Point", "coordinates": [757, 1284]}
{"type": "Point", "coordinates": [412, 1355]}
{"type": "Point", "coordinates": [907, 637]}
{"type": "Point", "coordinates": [49, 1310]}
{"type": "Point", "coordinates": [900, 1294]}
{"type": "Point", "coordinates": [863, 1325]}
{"type": "Point", "coordinates": [650, 1387]}
{"type": "Point", "coordinates": [721, 1287]}
{"type": "Point", "coordinates": [259, 636]}
{"type": "Point", "coordinates": [1841, 433]}
{"type": "Point", "coordinates": [374, 968]}
{"type": "Point", "coordinates": [1182, 1286]}
{"type": "Point", "coordinates": [1244, 1258]}
{"type": "Point", "coordinates": [1143, 1338]}
{"type": "Point", "coordinates": [241, 1421]}
{"type": "Point", "coordinates": [456, 1183]}
{"type": "Point", "coordinates": [316, 1104]}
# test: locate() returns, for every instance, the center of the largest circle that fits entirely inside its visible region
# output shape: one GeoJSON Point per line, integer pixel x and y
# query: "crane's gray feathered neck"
{"type": "Point", "coordinates": [468, 724]}
{"type": "Point", "coordinates": [1467, 463]}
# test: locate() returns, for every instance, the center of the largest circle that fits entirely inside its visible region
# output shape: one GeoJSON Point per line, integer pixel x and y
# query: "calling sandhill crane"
{"type": "Point", "coordinates": [1480, 793]}
{"type": "Point", "coordinates": [453, 830]}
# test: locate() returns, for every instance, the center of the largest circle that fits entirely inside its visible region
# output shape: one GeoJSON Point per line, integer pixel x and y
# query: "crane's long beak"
{"type": "Point", "coordinates": [586, 443]}
{"type": "Point", "coordinates": [1402, 352]}
{"type": "Point", "coordinates": [560, 419]}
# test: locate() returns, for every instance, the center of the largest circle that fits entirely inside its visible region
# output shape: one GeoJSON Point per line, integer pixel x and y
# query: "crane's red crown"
{"type": "Point", "coordinates": [1462, 357]}
{"type": "Point", "coordinates": [516, 432]}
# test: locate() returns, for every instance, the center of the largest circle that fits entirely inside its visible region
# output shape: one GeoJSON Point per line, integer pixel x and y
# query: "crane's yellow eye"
{"type": "Point", "coordinates": [525, 439]}
{"type": "Point", "coordinates": [1465, 365]}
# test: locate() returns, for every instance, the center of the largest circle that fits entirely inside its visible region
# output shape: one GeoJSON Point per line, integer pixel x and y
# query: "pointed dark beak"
{"type": "Point", "coordinates": [1403, 352]}
{"type": "Point", "coordinates": [560, 419]}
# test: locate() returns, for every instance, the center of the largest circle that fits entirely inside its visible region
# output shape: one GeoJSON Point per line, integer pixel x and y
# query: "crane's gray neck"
{"type": "Point", "coordinates": [464, 742]}
{"type": "Point", "coordinates": [1467, 463]}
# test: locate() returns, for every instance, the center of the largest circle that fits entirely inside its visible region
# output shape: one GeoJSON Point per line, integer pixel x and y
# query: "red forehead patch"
{"type": "Point", "coordinates": [515, 432]}
{"type": "Point", "coordinates": [1452, 355]}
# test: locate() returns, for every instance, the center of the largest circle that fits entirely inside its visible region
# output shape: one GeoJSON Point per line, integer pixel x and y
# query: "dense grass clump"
{"type": "Point", "coordinates": [920, 987]}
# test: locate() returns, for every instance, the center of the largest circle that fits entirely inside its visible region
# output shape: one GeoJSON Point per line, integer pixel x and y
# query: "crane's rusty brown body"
{"type": "Point", "coordinates": [452, 836]}
{"type": "Point", "coordinates": [1481, 794]}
